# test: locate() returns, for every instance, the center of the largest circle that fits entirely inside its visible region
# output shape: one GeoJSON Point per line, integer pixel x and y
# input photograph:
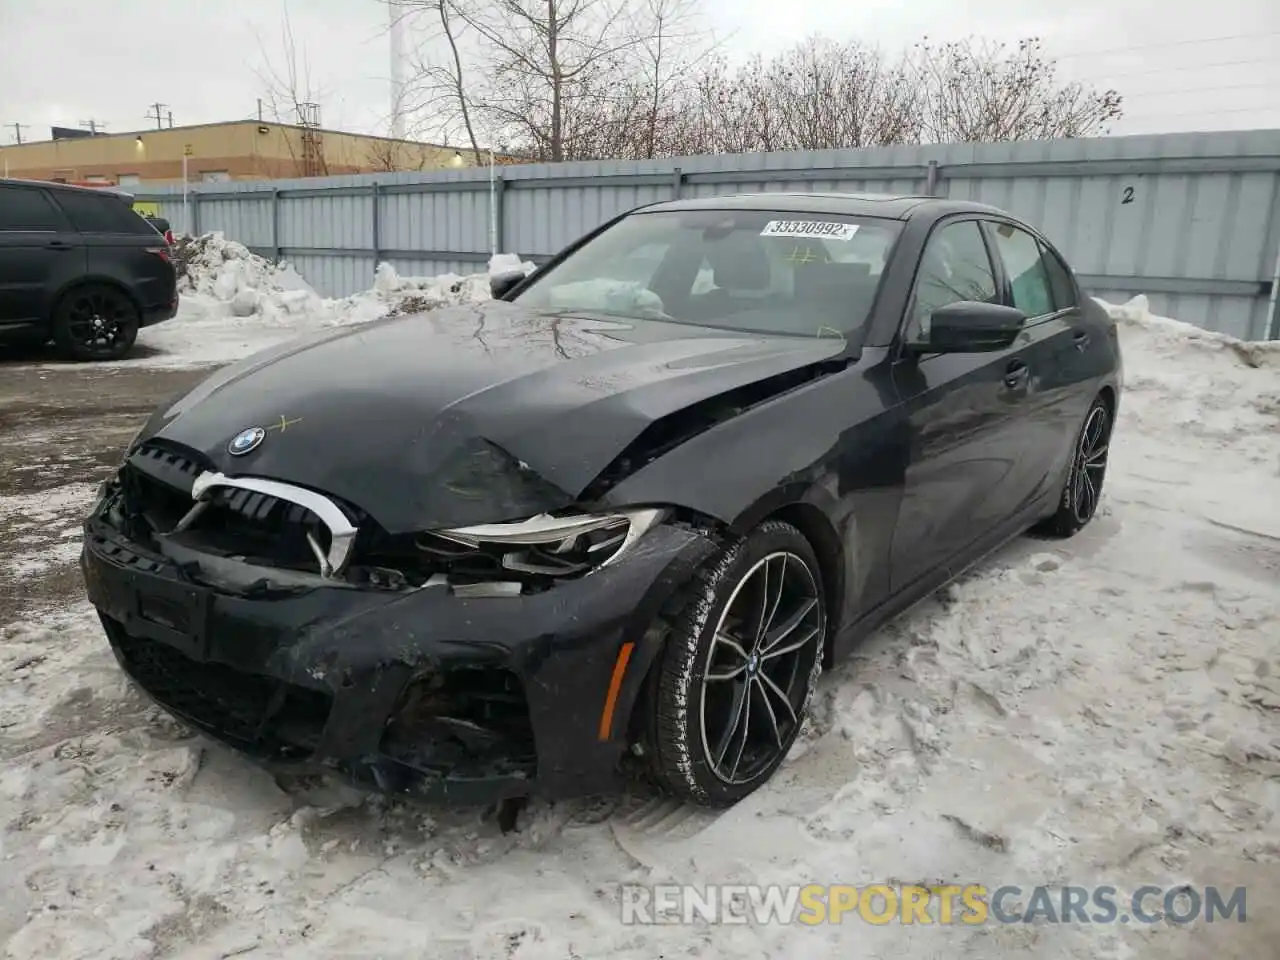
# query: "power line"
{"type": "Point", "coordinates": [93, 126]}
{"type": "Point", "coordinates": [1107, 78]}
{"type": "Point", "coordinates": [1208, 111]}
{"type": "Point", "coordinates": [1160, 46]}
{"type": "Point", "coordinates": [1189, 90]}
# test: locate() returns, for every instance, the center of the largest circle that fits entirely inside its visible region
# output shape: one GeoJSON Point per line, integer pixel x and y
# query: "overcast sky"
{"type": "Point", "coordinates": [1181, 65]}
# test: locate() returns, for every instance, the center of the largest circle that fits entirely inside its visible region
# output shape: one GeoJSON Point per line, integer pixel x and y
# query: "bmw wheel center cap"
{"type": "Point", "coordinates": [246, 441]}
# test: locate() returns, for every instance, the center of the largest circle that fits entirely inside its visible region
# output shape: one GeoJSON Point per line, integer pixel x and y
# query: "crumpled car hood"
{"type": "Point", "coordinates": [466, 415]}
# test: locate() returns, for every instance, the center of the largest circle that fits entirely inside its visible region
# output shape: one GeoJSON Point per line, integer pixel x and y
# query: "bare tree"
{"type": "Point", "coordinates": [672, 47]}
{"type": "Point", "coordinates": [818, 95]}
{"type": "Point", "coordinates": [555, 79]}
{"type": "Point", "coordinates": [978, 91]}
{"type": "Point", "coordinates": [641, 112]}
{"type": "Point", "coordinates": [549, 66]}
{"type": "Point", "coordinates": [289, 94]}
{"type": "Point", "coordinates": [849, 95]}
{"type": "Point", "coordinates": [437, 94]}
{"type": "Point", "coordinates": [563, 80]}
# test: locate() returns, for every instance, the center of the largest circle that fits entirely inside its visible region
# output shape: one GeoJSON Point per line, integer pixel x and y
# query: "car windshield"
{"type": "Point", "coordinates": [806, 274]}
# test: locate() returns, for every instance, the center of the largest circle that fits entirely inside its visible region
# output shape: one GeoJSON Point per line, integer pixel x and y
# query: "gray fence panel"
{"type": "Point", "coordinates": [248, 221]}
{"type": "Point", "coordinates": [1193, 220]}
{"type": "Point", "coordinates": [334, 276]}
{"type": "Point", "coordinates": [337, 222]}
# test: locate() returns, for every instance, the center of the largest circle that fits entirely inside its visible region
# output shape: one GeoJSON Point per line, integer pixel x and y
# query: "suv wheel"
{"type": "Point", "coordinates": [95, 322]}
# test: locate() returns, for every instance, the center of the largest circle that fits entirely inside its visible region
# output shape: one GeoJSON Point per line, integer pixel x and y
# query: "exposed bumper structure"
{"type": "Point", "coordinates": [416, 691]}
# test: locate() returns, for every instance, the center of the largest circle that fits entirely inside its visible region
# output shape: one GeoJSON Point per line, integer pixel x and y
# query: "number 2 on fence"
{"type": "Point", "coordinates": [1128, 195]}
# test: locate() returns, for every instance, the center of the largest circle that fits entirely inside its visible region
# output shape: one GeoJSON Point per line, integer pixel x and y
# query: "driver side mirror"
{"type": "Point", "coordinates": [504, 283]}
{"type": "Point", "coordinates": [971, 326]}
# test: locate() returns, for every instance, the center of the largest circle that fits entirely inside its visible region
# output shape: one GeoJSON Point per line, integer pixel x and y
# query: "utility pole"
{"type": "Point", "coordinates": [170, 119]}
{"type": "Point", "coordinates": [396, 29]}
{"type": "Point", "coordinates": [158, 116]}
{"type": "Point", "coordinates": [259, 109]}
{"type": "Point", "coordinates": [17, 130]}
{"type": "Point", "coordinates": [92, 126]}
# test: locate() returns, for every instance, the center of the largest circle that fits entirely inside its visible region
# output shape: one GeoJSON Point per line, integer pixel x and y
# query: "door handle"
{"type": "Point", "coordinates": [1081, 339]}
{"type": "Point", "coordinates": [58, 245]}
{"type": "Point", "coordinates": [1016, 375]}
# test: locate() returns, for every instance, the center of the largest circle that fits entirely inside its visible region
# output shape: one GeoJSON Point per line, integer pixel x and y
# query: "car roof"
{"type": "Point", "coordinates": [106, 188]}
{"type": "Point", "coordinates": [885, 205]}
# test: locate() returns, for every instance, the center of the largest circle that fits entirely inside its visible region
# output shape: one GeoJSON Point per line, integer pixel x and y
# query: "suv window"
{"type": "Point", "coordinates": [101, 213]}
{"type": "Point", "coordinates": [26, 208]}
{"type": "Point", "coordinates": [1028, 277]}
{"type": "Point", "coordinates": [955, 267]}
{"type": "Point", "coordinates": [1064, 290]}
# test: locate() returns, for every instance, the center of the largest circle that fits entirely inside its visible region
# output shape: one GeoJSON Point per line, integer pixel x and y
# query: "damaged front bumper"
{"type": "Point", "coordinates": [419, 692]}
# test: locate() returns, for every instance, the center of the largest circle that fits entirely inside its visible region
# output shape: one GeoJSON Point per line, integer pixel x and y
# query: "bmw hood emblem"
{"type": "Point", "coordinates": [246, 441]}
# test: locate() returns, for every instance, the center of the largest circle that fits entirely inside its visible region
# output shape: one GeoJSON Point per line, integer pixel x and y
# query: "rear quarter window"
{"type": "Point", "coordinates": [102, 213]}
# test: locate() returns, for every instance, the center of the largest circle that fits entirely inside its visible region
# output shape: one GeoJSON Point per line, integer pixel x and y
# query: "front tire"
{"type": "Point", "coordinates": [95, 322]}
{"type": "Point", "coordinates": [1082, 491]}
{"type": "Point", "coordinates": [738, 669]}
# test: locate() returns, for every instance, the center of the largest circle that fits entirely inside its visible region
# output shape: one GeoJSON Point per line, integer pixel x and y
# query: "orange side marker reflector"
{"type": "Point", "coordinates": [615, 684]}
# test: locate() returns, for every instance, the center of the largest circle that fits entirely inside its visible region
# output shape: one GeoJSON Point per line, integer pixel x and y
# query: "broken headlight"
{"type": "Point", "coordinates": [504, 559]}
{"type": "Point", "coordinates": [552, 546]}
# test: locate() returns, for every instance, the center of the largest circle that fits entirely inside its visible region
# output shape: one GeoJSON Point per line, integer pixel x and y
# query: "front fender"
{"type": "Point", "coordinates": [839, 445]}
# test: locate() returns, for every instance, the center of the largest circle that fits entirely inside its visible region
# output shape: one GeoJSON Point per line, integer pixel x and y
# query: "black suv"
{"type": "Point", "coordinates": [78, 266]}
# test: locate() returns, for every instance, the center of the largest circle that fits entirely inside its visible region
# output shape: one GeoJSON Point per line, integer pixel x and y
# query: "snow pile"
{"type": "Point", "coordinates": [223, 270]}
{"type": "Point", "coordinates": [1176, 335]}
{"type": "Point", "coordinates": [234, 302]}
{"type": "Point", "coordinates": [404, 295]}
{"type": "Point", "coordinates": [1182, 379]}
{"type": "Point", "coordinates": [220, 269]}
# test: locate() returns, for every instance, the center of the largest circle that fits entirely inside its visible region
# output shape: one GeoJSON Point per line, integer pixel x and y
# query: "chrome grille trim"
{"type": "Point", "coordinates": [342, 534]}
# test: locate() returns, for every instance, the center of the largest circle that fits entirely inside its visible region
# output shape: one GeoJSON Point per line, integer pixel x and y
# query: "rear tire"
{"type": "Point", "coordinates": [95, 322]}
{"type": "Point", "coordinates": [736, 674]}
{"type": "Point", "coordinates": [1082, 491]}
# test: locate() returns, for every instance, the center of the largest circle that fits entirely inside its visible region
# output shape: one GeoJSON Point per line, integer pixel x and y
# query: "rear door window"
{"type": "Point", "coordinates": [27, 209]}
{"type": "Point", "coordinates": [1025, 267]}
{"type": "Point", "coordinates": [1064, 290]}
{"type": "Point", "coordinates": [102, 213]}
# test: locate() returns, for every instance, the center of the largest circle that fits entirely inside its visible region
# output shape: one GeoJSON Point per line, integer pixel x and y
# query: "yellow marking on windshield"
{"type": "Point", "coordinates": [284, 423]}
{"type": "Point", "coordinates": [801, 255]}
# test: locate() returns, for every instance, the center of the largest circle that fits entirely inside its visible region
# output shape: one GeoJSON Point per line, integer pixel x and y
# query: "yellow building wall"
{"type": "Point", "coordinates": [238, 151]}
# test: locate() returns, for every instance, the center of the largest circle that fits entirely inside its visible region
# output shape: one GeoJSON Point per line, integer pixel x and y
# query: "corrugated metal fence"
{"type": "Point", "coordinates": [1192, 220]}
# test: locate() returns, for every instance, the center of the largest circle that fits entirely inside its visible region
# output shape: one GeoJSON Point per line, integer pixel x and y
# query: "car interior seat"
{"type": "Point", "coordinates": [833, 295]}
{"type": "Point", "coordinates": [741, 272]}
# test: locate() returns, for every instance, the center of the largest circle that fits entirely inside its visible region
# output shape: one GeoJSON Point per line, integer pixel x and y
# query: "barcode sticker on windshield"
{"type": "Point", "coordinates": [817, 229]}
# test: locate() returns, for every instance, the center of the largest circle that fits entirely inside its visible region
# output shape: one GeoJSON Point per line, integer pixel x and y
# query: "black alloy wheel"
{"type": "Point", "coordinates": [739, 668]}
{"type": "Point", "coordinates": [95, 322]}
{"type": "Point", "coordinates": [1091, 464]}
{"type": "Point", "coordinates": [1082, 491]}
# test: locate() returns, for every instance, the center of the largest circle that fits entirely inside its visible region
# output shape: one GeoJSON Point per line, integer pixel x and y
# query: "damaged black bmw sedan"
{"type": "Point", "coordinates": [619, 517]}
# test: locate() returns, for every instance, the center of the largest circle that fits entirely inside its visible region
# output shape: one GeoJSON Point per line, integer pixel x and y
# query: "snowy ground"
{"type": "Point", "coordinates": [1100, 711]}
